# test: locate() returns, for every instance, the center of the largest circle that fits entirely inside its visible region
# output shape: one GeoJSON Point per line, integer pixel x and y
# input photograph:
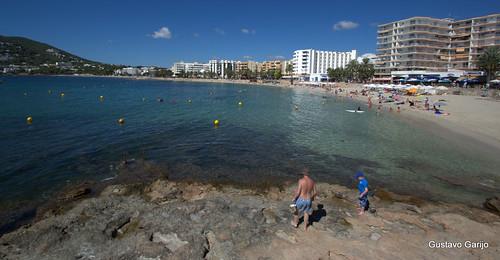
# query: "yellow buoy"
{"type": "Point", "coordinates": [216, 122]}
{"type": "Point", "coordinates": [121, 121]}
{"type": "Point", "coordinates": [62, 94]}
{"type": "Point", "coordinates": [29, 120]}
{"type": "Point", "coordinates": [240, 103]}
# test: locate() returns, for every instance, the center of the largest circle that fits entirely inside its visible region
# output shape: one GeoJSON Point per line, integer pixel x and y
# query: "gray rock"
{"type": "Point", "coordinates": [269, 215]}
{"type": "Point", "coordinates": [290, 238]}
{"type": "Point", "coordinates": [493, 204]}
{"type": "Point", "coordinates": [340, 195]}
{"type": "Point", "coordinates": [375, 236]}
{"type": "Point", "coordinates": [171, 241]}
{"type": "Point", "coordinates": [113, 226]}
{"type": "Point", "coordinates": [408, 207]}
{"type": "Point", "coordinates": [216, 250]}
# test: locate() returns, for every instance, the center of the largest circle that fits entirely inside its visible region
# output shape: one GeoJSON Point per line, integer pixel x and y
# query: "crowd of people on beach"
{"type": "Point", "coordinates": [393, 99]}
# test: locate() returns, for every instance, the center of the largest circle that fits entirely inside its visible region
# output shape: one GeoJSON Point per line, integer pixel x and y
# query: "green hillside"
{"type": "Point", "coordinates": [23, 55]}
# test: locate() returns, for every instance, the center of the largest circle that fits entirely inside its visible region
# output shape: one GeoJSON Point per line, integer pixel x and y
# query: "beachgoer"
{"type": "Point", "coordinates": [303, 198]}
{"type": "Point", "coordinates": [359, 108]}
{"type": "Point", "coordinates": [399, 109]}
{"type": "Point", "coordinates": [363, 193]}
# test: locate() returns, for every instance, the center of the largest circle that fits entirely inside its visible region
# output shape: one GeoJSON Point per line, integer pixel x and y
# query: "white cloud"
{"type": "Point", "coordinates": [219, 31]}
{"type": "Point", "coordinates": [248, 31]}
{"type": "Point", "coordinates": [345, 25]}
{"type": "Point", "coordinates": [370, 56]}
{"type": "Point", "coordinates": [162, 33]}
{"type": "Point", "coordinates": [248, 57]}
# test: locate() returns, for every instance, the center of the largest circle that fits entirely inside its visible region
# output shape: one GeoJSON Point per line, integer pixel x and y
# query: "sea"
{"type": "Point", "coordinates": [266, 135]}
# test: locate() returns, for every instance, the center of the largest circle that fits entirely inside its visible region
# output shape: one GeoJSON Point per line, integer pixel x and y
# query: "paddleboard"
{"type": "Point", "coordinates": [355, 111]}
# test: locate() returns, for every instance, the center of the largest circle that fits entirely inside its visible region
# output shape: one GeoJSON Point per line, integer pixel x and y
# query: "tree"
{"type": "Point", "coordinates": [277, 74]}
{"type": "Point", "coordinates": [351, 70]}
{"type": "Point", "coordinates": [229, 73]}
{"type": "Point", "coordinates": [365, 70]}
{"type": "Point", "coordinates": [489, 62]}
{"type": "Point", "coordinates": [289, 71]}
{"type": "Point", "coordinates": [337, 74]}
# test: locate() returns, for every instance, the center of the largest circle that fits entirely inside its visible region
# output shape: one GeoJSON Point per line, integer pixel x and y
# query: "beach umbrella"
{"type": "Point", "coordinates": [412, 90]}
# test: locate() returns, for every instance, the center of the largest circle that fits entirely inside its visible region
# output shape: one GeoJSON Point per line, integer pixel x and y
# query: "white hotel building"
{"type": "Point", "coordinates": [221, 67]}
{"type": "Point", "coordinates": [312, 65]}
{"type": "Point", "coordinates": [193, 67]}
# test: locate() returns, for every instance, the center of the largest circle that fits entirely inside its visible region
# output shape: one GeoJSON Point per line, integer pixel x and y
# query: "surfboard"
{"type": "Point", "coordinates": [355, 111]}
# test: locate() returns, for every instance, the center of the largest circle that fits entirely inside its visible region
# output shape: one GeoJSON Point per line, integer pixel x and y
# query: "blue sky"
{"type": "Point", "coordinates": [123, 32]}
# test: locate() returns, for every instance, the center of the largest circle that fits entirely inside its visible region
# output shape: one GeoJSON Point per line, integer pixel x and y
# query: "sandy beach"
{"type": "Point", "coordinates": [467, 115]}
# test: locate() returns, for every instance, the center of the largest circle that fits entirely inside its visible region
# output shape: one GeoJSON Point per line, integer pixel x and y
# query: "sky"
{"type": "Point", "coordinates": [160, 33]}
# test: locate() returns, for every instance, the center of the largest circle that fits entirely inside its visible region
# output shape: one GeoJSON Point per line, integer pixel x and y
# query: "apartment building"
{"type": "Point", "coordinates": [469, 39]}
{"type": "Point", "coordinates": [189, 67]}
{"type": "Point", "coordinates": [313, 65]}
{"type": "Point", "coordinates": [247, 65]}
{"type": "Point", "coordinates": [221, 67]}
{"type": "Point", "coordinates": [272, 65]}
{"type": "Point", "coordinates": [421, 45]}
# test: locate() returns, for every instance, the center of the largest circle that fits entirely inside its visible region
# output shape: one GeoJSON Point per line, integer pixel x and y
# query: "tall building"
{"type": "Point", "coordinates": [272, 65]}
{"type": "Point", "coordinates": [469, 39]}
{"type": "Point", "coordinates": [221, 67]}
{"type": "Point", "coordinates": [312, 65]}
{"type": "Point", "coordinates": [423, 44]}
{"type": "Point", "coordinates": [189, 67]}
{"type": "Point", "coordinates": [247, 65]}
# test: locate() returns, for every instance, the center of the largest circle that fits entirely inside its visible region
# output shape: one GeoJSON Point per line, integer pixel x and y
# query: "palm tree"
{"type": "Point", "coordinates": [351, 70]}
{"type": "Point", "coordinates": [289, 70]}
{"type": "Point", "coordinates": [489, 62]}
{"type": "Point", "coordinates": [365, 70]}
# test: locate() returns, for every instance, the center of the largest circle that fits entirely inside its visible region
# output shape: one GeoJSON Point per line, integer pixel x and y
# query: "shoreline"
{"type": "Point", "coordinates": [488, 137]}
{"type": "Point", "coordinates": [190, 220]}
{"type": "Point", "coordinates": [418, 118]}
{"type": "Point", "coordinates": [465, 139]}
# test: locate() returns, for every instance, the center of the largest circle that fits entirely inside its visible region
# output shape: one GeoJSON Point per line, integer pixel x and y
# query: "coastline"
{"type": "Point", "coordinates": [466, 139]}
{"type": "Point", "coordinates": [463, 124]}
{"type": "Point", "coordinates": [163, 219]}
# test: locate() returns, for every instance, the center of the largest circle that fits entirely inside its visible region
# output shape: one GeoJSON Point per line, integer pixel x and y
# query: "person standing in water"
{"type": "Point", "coordinates": [303, 198]}
{"type": "Point", "coordinates": [363, 193]}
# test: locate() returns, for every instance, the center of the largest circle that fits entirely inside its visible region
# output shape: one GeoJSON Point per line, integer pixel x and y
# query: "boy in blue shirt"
{"type": "Point", "coordinates": [363, 192]}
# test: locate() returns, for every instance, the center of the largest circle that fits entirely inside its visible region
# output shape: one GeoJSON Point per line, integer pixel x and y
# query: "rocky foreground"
{"type": "Point", "coordinates": [179, 220]}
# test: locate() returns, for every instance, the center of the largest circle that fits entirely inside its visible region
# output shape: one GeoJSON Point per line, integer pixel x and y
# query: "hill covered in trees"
{"type": "Point", "coordinates": [23, 55]}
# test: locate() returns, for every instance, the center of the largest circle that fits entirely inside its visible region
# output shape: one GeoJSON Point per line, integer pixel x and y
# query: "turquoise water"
{"type": "Point", "coordinates": [77, 138]}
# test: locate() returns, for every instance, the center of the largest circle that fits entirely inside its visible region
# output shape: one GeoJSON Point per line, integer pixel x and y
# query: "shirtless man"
{"type": "Point", "coordinates": [303, 197]}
